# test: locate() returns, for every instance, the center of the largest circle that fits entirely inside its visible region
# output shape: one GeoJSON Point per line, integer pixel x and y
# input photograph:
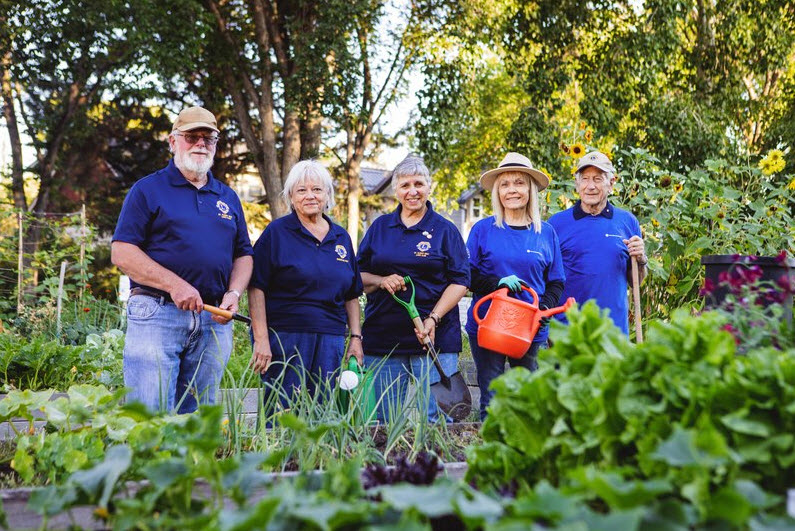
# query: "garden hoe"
{"type": "Point", "coordinates": [451, 392]}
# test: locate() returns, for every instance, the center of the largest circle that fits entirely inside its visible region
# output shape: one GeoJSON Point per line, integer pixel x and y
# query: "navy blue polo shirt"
{"type": "Point", "coordinates": [596, 258]}
{"type": "Point", "coordinates": [499, 252]}
{"type": "Point", "coordinates": [195, 233]}
{"type": "Point", "coordinates": [433, 253]}
{"type": "Point", "coordinates": [306, 281]}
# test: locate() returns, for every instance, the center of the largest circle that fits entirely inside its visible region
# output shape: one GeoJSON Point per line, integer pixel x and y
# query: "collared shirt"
{"type": "Point", "coordinates": [579, 213]}
{"type": "Point", "coordinates": [432, 252]}
{"type": "Point", "coordinates": [596, 258]}
{"type": "Point", "coordinates": [499, 252]}
{"type": "Point", "coordinates": [306, 281]}
{"type": "Point", "coordinates": [195, 233]}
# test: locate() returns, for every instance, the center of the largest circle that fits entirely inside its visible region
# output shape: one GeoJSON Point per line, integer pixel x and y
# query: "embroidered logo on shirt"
{"type": "Point", "coordinates": [423, 248]}
{"type": "Point", "coordinates": [342, 252]}
{"type": "Point", "coordinates": [224, 209]}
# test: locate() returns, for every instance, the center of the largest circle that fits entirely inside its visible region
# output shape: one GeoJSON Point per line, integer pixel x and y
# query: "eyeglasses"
{"type": "Point", "coordinates": [191, 139]}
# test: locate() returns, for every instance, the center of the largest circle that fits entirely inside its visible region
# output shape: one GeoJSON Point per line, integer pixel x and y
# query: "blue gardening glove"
{"type": "Point", "coordinates": [512, 282]}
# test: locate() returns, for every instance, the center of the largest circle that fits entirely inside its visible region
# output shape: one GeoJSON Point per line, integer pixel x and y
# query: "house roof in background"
{"type": "Point", "coordinates": [469, 194]}
{"type": "Point", "coordinates": [374, 180]}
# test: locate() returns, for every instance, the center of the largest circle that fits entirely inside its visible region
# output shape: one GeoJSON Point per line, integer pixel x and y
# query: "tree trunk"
{"type": "Point", "coordinates": [310, 134]}
{"type": "Point", "coordinates": [248, 94]}
{"type": "Point", "coordinates": [291, 140]}
{"type": "Point", "coordinates": [17, 181]}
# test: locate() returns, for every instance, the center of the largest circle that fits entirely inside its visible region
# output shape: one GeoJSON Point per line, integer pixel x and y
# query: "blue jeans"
{"type": "Point", "coordinates": [302, 359]}
{"type": "Point", "coordinates": [173, 357]}
{"type": "Point", "coordinates": [391, 380]}
{"type": "Point", "coordinates": [490, 365]}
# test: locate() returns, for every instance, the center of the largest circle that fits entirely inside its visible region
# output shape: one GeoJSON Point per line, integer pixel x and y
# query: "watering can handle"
{"type": "Point", "coordinates": [559, 309]}
{"type": "Point", "coordinates": [481, 301]}
{"type": "Point", "coordinates": [533, 293]}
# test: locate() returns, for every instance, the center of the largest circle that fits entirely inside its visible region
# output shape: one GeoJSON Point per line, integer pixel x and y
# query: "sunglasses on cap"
{"type": "Point", "coordinates": [192, 138]}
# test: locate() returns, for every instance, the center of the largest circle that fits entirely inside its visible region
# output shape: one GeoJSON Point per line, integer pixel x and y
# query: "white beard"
{"type": "Point", "coordinates": [184, 161]}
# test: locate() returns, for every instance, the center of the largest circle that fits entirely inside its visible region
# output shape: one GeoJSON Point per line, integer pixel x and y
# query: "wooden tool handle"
{"type": "Point", "coordinates": [636, 299]}
{"type": "Point", "coordinates": [226, 313]}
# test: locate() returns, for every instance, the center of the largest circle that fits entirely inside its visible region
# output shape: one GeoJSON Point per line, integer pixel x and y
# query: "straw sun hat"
{"type": "Point", "coordinates": [514, 162]}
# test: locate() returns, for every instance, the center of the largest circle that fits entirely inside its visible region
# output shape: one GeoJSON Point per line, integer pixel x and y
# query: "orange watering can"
{"type": "Point", "coordinates": [511, 324]}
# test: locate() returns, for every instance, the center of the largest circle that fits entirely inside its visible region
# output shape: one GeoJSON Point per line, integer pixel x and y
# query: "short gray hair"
{"type": "Point", "coordinates": [309, 170]}
{"type": "Point", "coordinates": [411, 166]}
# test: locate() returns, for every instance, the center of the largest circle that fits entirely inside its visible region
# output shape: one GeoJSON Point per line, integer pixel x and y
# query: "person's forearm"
{"type": "Point", "coordinates": [481, 283]}
{"type": "Point", "coordinates": [241, 273]}
{"type": "Point", "coordinates": [256, 309]}
{"type": "Point", "coordinates": [137, 265]}
{"type": "Point", "coordinates": [371, 282]}
{"type": "Point", "coordinates": [353, 309]}
{"type": "Point", "coordinates": [552, 292]}
{"type": "Point", "coordinates": [449, 299]}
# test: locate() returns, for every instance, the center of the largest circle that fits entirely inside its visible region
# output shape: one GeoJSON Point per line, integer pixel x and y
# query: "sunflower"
{"type": "Point", "coordinates": [791, 184]}
{"type": "Point", "coordinates": [766, 167]}
{"type": "Point", "coordinates": [775, 156]}
{"type": "Point", "coordinates": [577, 150]}
{"type": "Point", "coordinates": [655, 223]}
{"type": "Point", "coordinates": [588, 135]}
{"type": "Point", "coordinates": [564, 148]}
{"type": "Point", "coordinates": [678, 187]}
{"type": "Point", "coordinates": [665, 181]}
{"type": "Point", "coordinates": [773, 162]}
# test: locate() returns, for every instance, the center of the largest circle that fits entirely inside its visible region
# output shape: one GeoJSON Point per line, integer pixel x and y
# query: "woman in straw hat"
{"type": "Point", "coordinates": [511, 248]}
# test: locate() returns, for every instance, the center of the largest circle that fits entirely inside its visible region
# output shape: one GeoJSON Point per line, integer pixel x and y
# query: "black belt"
{"type": "Point", "coordinates": [165, 297]}
{"type": "Point", "coordinates": [154, 294]}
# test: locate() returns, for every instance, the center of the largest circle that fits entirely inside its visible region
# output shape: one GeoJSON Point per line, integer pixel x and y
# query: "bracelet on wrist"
{"type": "Point", "coordinates": [233, 291]}
{"type": "Point", "coordinates": [357, 336]}
{"type": "Point", "coordinates": [435, 317]}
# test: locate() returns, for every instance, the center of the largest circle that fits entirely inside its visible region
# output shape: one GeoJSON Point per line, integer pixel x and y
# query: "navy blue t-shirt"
{"type": "Point", "coordinates": [499, 252]}
{"type": "Point", "coordinates": [306, 282]}
{"type": "Point", "coordinates": [432, 252]}
{"type": "Point", "coordinates": [195, 233]}
{"type": "Point", "coordinates": [596, 258]}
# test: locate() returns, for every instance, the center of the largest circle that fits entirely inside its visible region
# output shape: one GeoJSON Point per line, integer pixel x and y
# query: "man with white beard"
{"type": "Point", "coordinates": [182, 239]}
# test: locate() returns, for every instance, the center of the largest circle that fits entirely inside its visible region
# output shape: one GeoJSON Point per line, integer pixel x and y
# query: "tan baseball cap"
{"type": "Point", "coordinates": [195, 118]}
{"type": "Point", "coordinates": [514, 162]}
{"type": "Point", "coordinates": [597, 159]}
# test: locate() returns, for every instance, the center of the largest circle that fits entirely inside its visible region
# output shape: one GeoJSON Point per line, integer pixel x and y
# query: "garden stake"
{"type": "Point", "coordinates": [226, 313]}
{"type": "Point", "coordinates": [636, 299]}
{"type": "Point", "coordinates": [451, 392]}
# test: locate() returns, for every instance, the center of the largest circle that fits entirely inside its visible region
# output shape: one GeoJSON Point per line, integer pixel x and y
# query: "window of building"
{"type": "Point", "coordinates": [477, 207]}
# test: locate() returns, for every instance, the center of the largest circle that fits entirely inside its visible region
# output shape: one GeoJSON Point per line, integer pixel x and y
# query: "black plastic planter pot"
{"type": "Point", "coordinates": [772, 270]}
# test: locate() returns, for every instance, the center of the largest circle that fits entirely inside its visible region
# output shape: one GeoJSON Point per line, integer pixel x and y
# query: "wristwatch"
{"type": "Point", "coordinates": [234, 291]}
